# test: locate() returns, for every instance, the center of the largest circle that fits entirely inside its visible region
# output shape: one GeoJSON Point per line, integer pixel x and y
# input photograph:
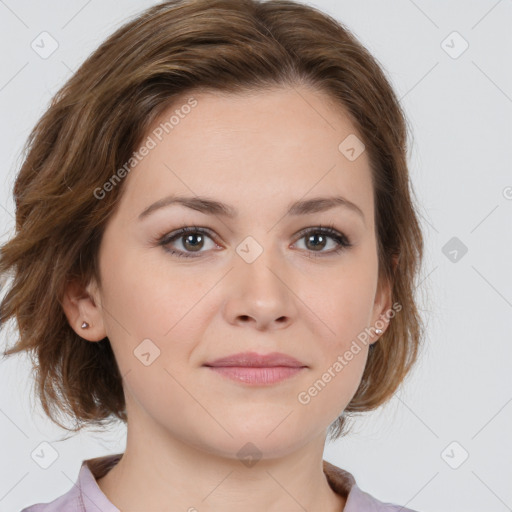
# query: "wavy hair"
{"type": "Point", "coordinates": [100, 116]}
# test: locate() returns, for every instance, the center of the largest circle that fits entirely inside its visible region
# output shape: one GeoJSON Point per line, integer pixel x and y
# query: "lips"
{"type": "Point", "coordinates": [255, 360]}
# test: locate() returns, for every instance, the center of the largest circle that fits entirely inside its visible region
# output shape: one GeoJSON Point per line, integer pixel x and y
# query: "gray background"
{"type": "Point", "coordinates": [460, 109]}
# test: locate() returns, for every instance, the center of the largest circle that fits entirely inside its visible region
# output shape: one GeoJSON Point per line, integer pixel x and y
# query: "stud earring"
{"type": "Point", "coordinates": [378, 331]}
{"type": "Point", "coordinates": [85, 325]}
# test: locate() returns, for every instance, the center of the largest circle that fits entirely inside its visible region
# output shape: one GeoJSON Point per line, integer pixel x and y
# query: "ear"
{"type": "Point", "coordinates": [84, 305]}
{"type": "Point", "coordinates": [383, 302]}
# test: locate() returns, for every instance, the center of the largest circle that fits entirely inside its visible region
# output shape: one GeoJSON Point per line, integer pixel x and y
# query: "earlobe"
{"type": "Point", "coordinates": [83, 311]}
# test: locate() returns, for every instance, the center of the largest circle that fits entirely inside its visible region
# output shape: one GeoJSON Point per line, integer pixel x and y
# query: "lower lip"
{"type": "Point", "coordinates": [251, 375]}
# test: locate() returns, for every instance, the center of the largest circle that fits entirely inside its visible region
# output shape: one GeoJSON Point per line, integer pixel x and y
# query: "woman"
{"type": "Point", "coordinates": [216, 244]}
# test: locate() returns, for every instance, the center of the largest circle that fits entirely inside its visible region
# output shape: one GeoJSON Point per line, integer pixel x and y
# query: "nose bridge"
{"type": "Point", "coordinates": [258, 284]}
{"type": "Point", "coordinates": [258, 263]}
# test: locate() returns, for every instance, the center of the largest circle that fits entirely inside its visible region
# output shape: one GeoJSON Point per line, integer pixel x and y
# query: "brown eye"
{"type": "Point", "coordinates": [317, 239]}
{"type": "Point", "coordinates": [192, 240]}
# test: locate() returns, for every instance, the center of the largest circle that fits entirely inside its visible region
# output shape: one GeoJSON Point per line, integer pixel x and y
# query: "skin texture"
{"type": "Point", "coordinates": [257, 152]}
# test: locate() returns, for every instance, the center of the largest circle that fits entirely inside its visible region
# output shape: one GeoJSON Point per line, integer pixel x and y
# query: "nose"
{"type": "Point", "coordinates": [260, 294]}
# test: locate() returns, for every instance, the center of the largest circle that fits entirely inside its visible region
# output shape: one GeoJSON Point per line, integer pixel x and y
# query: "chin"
{"type": "Point", "coordinates": [269, 443]}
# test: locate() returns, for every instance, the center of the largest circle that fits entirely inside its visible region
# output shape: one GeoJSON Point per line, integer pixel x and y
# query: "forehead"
{"type": "Point", "coordinates": [256, 148]}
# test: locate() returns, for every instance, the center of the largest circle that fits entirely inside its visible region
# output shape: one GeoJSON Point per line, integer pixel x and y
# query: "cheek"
{"type": "Point", "coordinates": [343, 309]}
{"type": "Point", "coordinates": [342, 301]}
{"type": "Point", "coordinates": [146, 299]}
{"type": "Point", "coordinates": [331, 387]}
{"type": "Point", "coordinates": [163, 305]}
{"type": "Point", "coordinates": [158, 391]}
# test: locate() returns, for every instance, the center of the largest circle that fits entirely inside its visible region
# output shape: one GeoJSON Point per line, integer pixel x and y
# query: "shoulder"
{"type": "Point", "coordinates": [68, 502]}
{"type": "Point", "coordinates": [360, 500]}
{"type": "Point", "coordinates": [84, 495]}
{"type": "Point", "coordinates": [357, 500]}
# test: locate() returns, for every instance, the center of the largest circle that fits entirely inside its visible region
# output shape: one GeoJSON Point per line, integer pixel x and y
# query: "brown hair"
{"type": "Point", "coordinates": [100, 116]}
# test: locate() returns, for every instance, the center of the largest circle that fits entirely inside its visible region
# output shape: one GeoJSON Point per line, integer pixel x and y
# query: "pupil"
{"type": "Point", "coordinates": [315, 236]}
{"type": "Point", "coordinates": [187, 241]}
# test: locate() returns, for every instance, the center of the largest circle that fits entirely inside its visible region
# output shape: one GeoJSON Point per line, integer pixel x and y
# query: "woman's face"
{"type": "Point", "coordinates": [261, 280]}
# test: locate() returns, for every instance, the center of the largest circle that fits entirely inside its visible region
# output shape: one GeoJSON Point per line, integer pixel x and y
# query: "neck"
{"type": "Point", "coordinates": [181, 477]}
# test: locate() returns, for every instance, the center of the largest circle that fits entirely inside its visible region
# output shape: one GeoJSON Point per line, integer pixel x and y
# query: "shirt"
{"type": "Point", "coordinates": [86, 495]}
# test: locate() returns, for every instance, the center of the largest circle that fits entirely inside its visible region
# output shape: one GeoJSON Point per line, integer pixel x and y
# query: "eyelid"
{"type": "Point", "coordinates": [328, 229]}
{"type": "Point", "coordinates": [342, 241]}
{"type": "Point", "coordinates": [168, 236]}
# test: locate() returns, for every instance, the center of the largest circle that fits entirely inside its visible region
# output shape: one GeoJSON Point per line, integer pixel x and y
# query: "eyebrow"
{"type": "Point", "coordinates": [209, 206]}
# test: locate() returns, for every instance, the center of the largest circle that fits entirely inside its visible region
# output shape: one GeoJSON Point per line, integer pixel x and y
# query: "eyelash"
{"type": "Point", "coordinates": [342, 241]}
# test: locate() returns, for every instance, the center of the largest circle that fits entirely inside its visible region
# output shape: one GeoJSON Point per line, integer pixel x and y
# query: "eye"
{"type": "Point", "coordinates": [316, 238]}
{"type": "Point", "coordinates": [191, 239]}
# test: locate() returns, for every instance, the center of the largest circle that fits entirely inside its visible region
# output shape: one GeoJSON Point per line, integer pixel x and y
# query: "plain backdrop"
{"type": "Point", "coordinates": [443, 442]}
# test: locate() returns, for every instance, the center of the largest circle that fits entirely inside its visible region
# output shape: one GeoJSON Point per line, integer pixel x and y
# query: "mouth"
{"type": "Point", "coordinates": [255, 360]}
{"type": "Point", "coordinates": [257, 369]}
{"type": "Point", "coordinates": [257, 375]}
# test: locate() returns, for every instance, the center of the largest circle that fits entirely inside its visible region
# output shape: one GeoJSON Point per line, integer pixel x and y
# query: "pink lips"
{"type": "Point", "coordinates": [253, 359]}
{"type": "Point", "coordinates": [253, 368]}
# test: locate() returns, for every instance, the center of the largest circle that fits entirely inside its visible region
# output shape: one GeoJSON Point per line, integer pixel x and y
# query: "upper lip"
{"type": "Point", "coordinates": [256, 360]}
